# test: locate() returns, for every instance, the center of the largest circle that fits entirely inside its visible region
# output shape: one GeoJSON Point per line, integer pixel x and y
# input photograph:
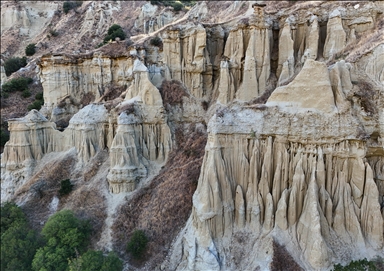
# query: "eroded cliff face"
{"type": "Point", "coordinates": [295, 152]}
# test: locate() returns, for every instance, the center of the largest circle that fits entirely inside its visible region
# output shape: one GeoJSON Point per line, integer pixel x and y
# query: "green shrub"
{"type": "Point", "coordinates": [14, 64]}
{"type": "Point", "coordinates": [4, 137]}
{"type": "Point", "coordinates": [177, 6]}
{"type": "Point", "coordinates": [68, 5]}
{"type": "Point", "coordinates": [96, 261]}
{"type": "Point", "coordinates": [4, 94]}
{"type": "Point", "coordinates": [113, 28]}
{"type": "Point", "coordinates": [115, 31]}
{"type": "Point", "coordinates": [156, 41]}
{"type": "Point", "coordinates": [360, 265]}
{"type": "Point", "coordinates": [17, 84]}
{"type": "Point", "coordinates": [37, 104]}
{"type": "Point", "coordinates": [65, 187]}
{"type": "Point", "coordinates": [53, 33]}
{"type": "Point", "coordinates": [65, 235]}
{"type": "Point", "coordinates": [30, 50]}
{"type": "Point", "coordinates": [39, 96]}
{"type": "Point", "coordinates": [137, 244]}
{"type": "Point", "coordinates": [26, 93]}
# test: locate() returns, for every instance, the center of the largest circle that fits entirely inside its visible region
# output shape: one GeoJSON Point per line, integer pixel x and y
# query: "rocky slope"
{"type": "Point", "coordinates": [293, 94]}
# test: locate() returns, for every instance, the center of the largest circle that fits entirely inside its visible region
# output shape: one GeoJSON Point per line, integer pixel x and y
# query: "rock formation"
{"type": "Point", "coordinates": [310, 89]}
{"type": "Point", "coordinates": [336, 39]}
{"type": "Point", "coordinates": [294, 106]}
{"type": "Point", "coordinates": [142, 135]}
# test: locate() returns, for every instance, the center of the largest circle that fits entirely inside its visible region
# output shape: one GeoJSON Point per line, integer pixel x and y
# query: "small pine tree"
{"type": "Point", "coordinates": [137, 244]}
{"type": "Point", "coordinates": [115, 31]}
{"type": "Point", "coordinates": [66, 187]}
{"type": "Point", "coordinates": [30, 49]}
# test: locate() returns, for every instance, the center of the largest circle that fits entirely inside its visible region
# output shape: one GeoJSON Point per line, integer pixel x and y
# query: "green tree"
{"type": "Point", "coordinates": [30, 50]}
{"type": "Point", "coordinates": [112, 262]}
{"type": "Point", "coordinates": [18, 241]}
{"type": "Point", "coordinates": [137, 244]}
{"type": "Point", "coordinates": [65, 235]}
{"type": "Point", "coordinates": [177, 6]}
{"type": "Point", "coordinates": [96, 261]}
{"type": "Point", "coordinates": [115, 31]}
{"type": "Point", "coordinates": [14, 64]}
{"type": "Point", "coordinates": [18, 246]}
{"type": "Point", "coordinates": [11, 215]}
{"type": "Point", "coordinates": [113, 28]}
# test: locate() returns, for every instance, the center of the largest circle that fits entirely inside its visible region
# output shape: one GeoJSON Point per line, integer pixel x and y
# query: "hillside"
{"type": "Point", "coordinates": [238, 135]}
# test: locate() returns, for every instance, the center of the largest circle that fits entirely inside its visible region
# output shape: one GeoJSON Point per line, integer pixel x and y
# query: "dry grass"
{"type": "Point", "coordinates": [115, 49]}
{"type": "Point", "coordinates": [89, 204]}
{"type": "Point", "coordinates": [113, 91]}
{"type": "Point", "coordinates": [172, 92]}
{"type": "Point", "coordinates": [282, 260]}
{"type": "Point", "coordinates": [43, 186]}
{"type": "Point", "coordinates": [15, 106]}
{"type": "Point", "coordinates": [85, 200]}
{"type": "Point", "coordinates": [366, 95]}
{"type": "Point", "coordinates": [127, 108]}
{"type": "Point", "coordinates": [365, 42]}
{"type": "Point", "coordinates": [94, 165]}
{"type": "Point", "coordinates": [63, 123]}
{"type": "Point", "coordinates": [263, 98]}
{"type": "Point", "coordinates": [162, 208]}
{"type": "Point", "coordinates": [87, 98]}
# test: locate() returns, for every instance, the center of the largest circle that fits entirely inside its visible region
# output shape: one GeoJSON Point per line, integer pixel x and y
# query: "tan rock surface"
{"type": "Point", "coordinates": [336, 37]}
{"type": "Point", "coordinates": [311, 89]}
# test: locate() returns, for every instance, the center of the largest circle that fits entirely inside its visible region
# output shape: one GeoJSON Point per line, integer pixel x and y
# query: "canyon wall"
{"type": "Point", "coordinates": [293, 96]}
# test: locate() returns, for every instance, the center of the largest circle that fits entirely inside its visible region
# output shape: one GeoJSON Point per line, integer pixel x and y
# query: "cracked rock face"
{"type": "Point", "coordinates": [295, 151]}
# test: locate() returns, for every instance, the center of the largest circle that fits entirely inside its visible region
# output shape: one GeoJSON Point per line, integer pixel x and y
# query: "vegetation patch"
{"type": "Point", "coordinates": [38, 103]}
{"type": "Point", "coordinates": [366, 95]}
{"type": "Point", "coordinates": [4, 133]}
{"type": "Point", "coordinates": [65, 187]}
{"type": "Point", "coordinates": [18, 241]}
{"type": "Point", "coordinates": [137, 244]}
{"type": "Point", "coordinates": [172, 92]}
{"type": "Point", "coordinates": [95, 260]}
{"type": "Point", "coordinates": [13, 64]}
{"type": "Point", "coordinates": [68, 5]}
{"type": "Point", "coordinates": [64, 235]}
{"type": "Point", "coordinates": [282, 260]}
{"type": "Point", "coordinates": [176, 182]}
{"type": "Point", "coordinates": [361, 265]}
{"type": "Point", "coordinates": [87, 98]}
{"type": "Point", "coordinates": [30, 50]}
{"type": "Point", "coordinates": [156, 41]}
{"type": "Point", "coordinates": [115, 31]}
{"type": "Point", "coordinates": [176, 5]}
{"type": "Point", "coordinates": [17, 84]}
{"type": "Point", "coordinates": [113, 91]}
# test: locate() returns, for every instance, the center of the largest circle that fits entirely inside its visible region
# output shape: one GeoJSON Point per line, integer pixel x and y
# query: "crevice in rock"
{"type": "Point", "coordinates": [322, 38]}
